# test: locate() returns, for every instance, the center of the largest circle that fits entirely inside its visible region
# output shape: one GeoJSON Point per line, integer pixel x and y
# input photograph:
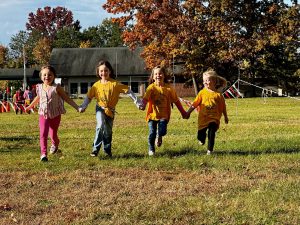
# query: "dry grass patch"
{"type": "Point", "coordinates": [131, 196]}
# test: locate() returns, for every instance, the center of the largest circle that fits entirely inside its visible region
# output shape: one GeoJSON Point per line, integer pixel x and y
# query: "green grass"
{"type": "Point", "coordinates": [252, 177]}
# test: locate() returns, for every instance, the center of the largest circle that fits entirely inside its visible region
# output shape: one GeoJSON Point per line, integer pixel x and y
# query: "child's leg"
{"type": "Point", "coordinates": [152, 134]}
{"type": "Point", "coordinates": [54, 125]}
{"type": "Point", "coordinates": [212, 129]}
{"type": "Point", "coordinates": [44, 130]}
{"type": "Point", "coordinates": [162, 128]}
{"type": "Point", "coordinates": [162, 131]}
{"type": "Point", "coordinates": [107, 134]}
{"type": "Point", "coordinates": [100, 118]}
{"type": "Point", "coordinates": [202, 135]}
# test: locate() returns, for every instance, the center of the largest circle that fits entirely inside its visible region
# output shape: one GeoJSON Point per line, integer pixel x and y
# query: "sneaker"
{"type": "Point", "coordinates": [53, 149]}
{"type": "Point", "coordinates": [151, 153]}
{"type": "Point", "coordinates": [158, 141]}
{"type": "Point", "coordinates": [201, 143]}
{"type": "Point", "coordinates": [44, 158]}
{"type": "Point", "coordinates": [93, 154]}
{"type": "Point", "coordinates": [209, 152]}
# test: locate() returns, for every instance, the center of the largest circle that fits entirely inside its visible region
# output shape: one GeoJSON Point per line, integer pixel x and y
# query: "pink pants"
{"type": "Point", "coordinates": [48, 126]}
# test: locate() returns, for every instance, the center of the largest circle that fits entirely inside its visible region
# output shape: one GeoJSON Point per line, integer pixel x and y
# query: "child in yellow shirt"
{"type": "Point", "coordinates": [211, 105]}
{"type": "Point", "coordinates": [106, 91]}
{"type": "Point", "coordinates": [159, 96]}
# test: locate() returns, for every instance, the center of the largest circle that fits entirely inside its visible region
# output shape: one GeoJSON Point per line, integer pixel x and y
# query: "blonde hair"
{"type": "Point", "coordinates": [221, 82]}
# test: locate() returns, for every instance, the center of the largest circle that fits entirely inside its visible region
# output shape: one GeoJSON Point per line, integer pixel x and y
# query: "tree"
{"type": "Point", "coordinates": [107, 34]}
{"type": "Point", "coordinates": [42, 51]}
{"type": "Point", "coordinates": [210, 33]}
{"type": "Point", "coordinates": [48, 21]}
{"type": "Point", "coordinates": [3, 56]}
{"type": "Point", "coordinates": [67, 37]}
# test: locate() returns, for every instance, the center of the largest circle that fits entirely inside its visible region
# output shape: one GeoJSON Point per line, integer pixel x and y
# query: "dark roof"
{"type": "Point", "coordinates": [18, 74]}
{"type": "Point", "coordinates": [83, 61]}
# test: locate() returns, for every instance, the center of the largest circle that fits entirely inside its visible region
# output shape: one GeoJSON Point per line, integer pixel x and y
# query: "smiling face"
{"type": "Point", "coordinates": [47, 76]}
{"type": "Point", "coordinates": [209, 82]}
{"type": "Point", "coordinates": [103, 72]}
{"type": "Point", "coordinates": [158, 75]}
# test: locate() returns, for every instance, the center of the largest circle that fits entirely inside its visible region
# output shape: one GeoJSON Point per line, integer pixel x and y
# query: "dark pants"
{"type": "Point", "coordinates": [156, 128]}
{"type": "Point", "coordinates": [211, 134]}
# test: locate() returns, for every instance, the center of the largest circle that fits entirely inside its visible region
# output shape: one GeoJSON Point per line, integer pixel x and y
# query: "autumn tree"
{"type": "Point", "coordinates": [211, 33]}
{"type": "Point", "coordinates": [48, 21]}
{"type": "Point", "coordinates": [42, 51]}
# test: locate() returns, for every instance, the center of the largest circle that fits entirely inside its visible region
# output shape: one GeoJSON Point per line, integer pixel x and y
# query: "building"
{"type": "Point", "coordinates": [76, 69]}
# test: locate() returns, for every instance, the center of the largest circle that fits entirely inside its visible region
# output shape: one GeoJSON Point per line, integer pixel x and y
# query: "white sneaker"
{"type": "Point", "coordinates": [151, 153]}
{"type": "Point", "coordinates": [201, 143]}
{"type": "Point", "coordinates": [53, 149]}
{"type": "Point", "coordinates": [209, 152]}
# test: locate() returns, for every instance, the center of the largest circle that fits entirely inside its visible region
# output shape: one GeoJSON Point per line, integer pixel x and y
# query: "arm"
{"type": "Point", "coordinates": [181, 109]}
{"type": "Point", "coordinates": [85, 104]}
{"type": "Point", "coordinates": [190, 110]}
{"type": "Point", "coordinates": [34, 102]}
{"type": "Point", "coordinates": [135, 100]}
{"type": "Point", "coordinates": [66, 98]}
{"type": "Point", "coordinates": [225, 115]}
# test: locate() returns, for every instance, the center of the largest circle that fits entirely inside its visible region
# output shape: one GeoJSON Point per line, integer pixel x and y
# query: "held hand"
{"type": "Point", "coordinates": [27, 109]}
{"type": "Point", "coordinates": [81, 110]}
{"type": "Point", "coordinates": [186, 115]}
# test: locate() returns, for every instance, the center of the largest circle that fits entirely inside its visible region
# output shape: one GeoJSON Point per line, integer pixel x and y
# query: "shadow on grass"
{"type": "Point", "coordinates": [16, 143]}
{"type": "Point", "coordinates": [18, 138]}
{"type": "Point", "coordinates": [260, 152]}
{"type": "Point", "coordinates": [196, 152]}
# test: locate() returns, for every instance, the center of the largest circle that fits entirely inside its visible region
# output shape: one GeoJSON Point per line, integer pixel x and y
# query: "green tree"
{"type": "Point", "coordinates": [107, 34]}
{"type": "Point", "coordinates": [67, 37]}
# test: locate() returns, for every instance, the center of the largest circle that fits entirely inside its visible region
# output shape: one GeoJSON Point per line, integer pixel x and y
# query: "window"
{"type": "Point", "coordinates": [74, 88]}
{"type": "Point", "coordinates": [83, 88]}
{"type": "Point", "coordinates": [135, 87]}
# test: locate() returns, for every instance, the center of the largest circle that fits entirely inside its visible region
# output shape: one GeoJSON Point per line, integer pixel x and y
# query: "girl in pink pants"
{"type": "Point", "coordinates": [50, 97]}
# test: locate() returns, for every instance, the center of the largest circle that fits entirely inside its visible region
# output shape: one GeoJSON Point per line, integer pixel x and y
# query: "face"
{"type": "Point", "coordinates": [103, 72]}
{"type": "Point", "coordinates": [209, 82]}
{"type": "Point", "coordinates": [158, 75]}
{"type": "Point", "coordinates": [47, 76]}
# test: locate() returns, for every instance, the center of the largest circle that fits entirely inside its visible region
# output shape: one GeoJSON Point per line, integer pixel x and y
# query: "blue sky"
{"type": "Point", "coordinates": [14, 14]}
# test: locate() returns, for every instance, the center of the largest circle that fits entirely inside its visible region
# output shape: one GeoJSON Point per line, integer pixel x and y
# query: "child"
{"type": "Point", "coordinates": [211, 105]}
{"type": "Point", "coordinates": [50, 97]}
{"type": "Point", "coordinates": [106, 91]}
{"type": "Point", "coordinates": [159, 96]}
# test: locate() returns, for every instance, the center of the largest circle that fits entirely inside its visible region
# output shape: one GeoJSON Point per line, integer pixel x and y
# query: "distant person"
{"type": "Point", "coordinates": [19, 104]}
{"type": "Point", "coordinates": [160, 95]}
{"type": "Point", "coordinates": [28, 96]}
{"type": "Point", "coordinates": [50, 97]}
{"type": "Point", "coordinates": [211, 105]}
{"type": "Point", "coordinates": [106, 91]}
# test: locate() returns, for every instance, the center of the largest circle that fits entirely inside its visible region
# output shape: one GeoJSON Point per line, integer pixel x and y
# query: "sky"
{"type": "Point", "coordinates": [14, 14]}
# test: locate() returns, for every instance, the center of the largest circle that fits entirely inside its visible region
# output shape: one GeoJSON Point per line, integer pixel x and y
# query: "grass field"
{"type": "Point", "coordinates": [253, 177]}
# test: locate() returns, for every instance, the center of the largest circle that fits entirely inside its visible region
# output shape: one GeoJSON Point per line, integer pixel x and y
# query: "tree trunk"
{"type": "Point", "coordinates": [195, 85]}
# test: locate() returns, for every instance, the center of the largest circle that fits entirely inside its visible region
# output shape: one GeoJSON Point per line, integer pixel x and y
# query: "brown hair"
{"type": "Point", "coordinates": [50, 68]}
{"type": "Point", "coordinates": [108, 65]}
{"type": "Point", "coordinates": [167, 77]}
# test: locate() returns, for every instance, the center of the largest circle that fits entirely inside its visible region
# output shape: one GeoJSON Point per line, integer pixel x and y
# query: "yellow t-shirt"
{"type": "Point", "coordinates": [107, 95]}
{"type": "Point", "coordinates": [159, 101]}
{"type": "Point", "coordinates": [211, 106]}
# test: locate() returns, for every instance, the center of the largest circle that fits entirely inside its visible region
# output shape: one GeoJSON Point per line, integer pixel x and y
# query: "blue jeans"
{"type": "Point", "coordinates": [154, 126]}
{"type": "Point", "coordinates": [103, 131]}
